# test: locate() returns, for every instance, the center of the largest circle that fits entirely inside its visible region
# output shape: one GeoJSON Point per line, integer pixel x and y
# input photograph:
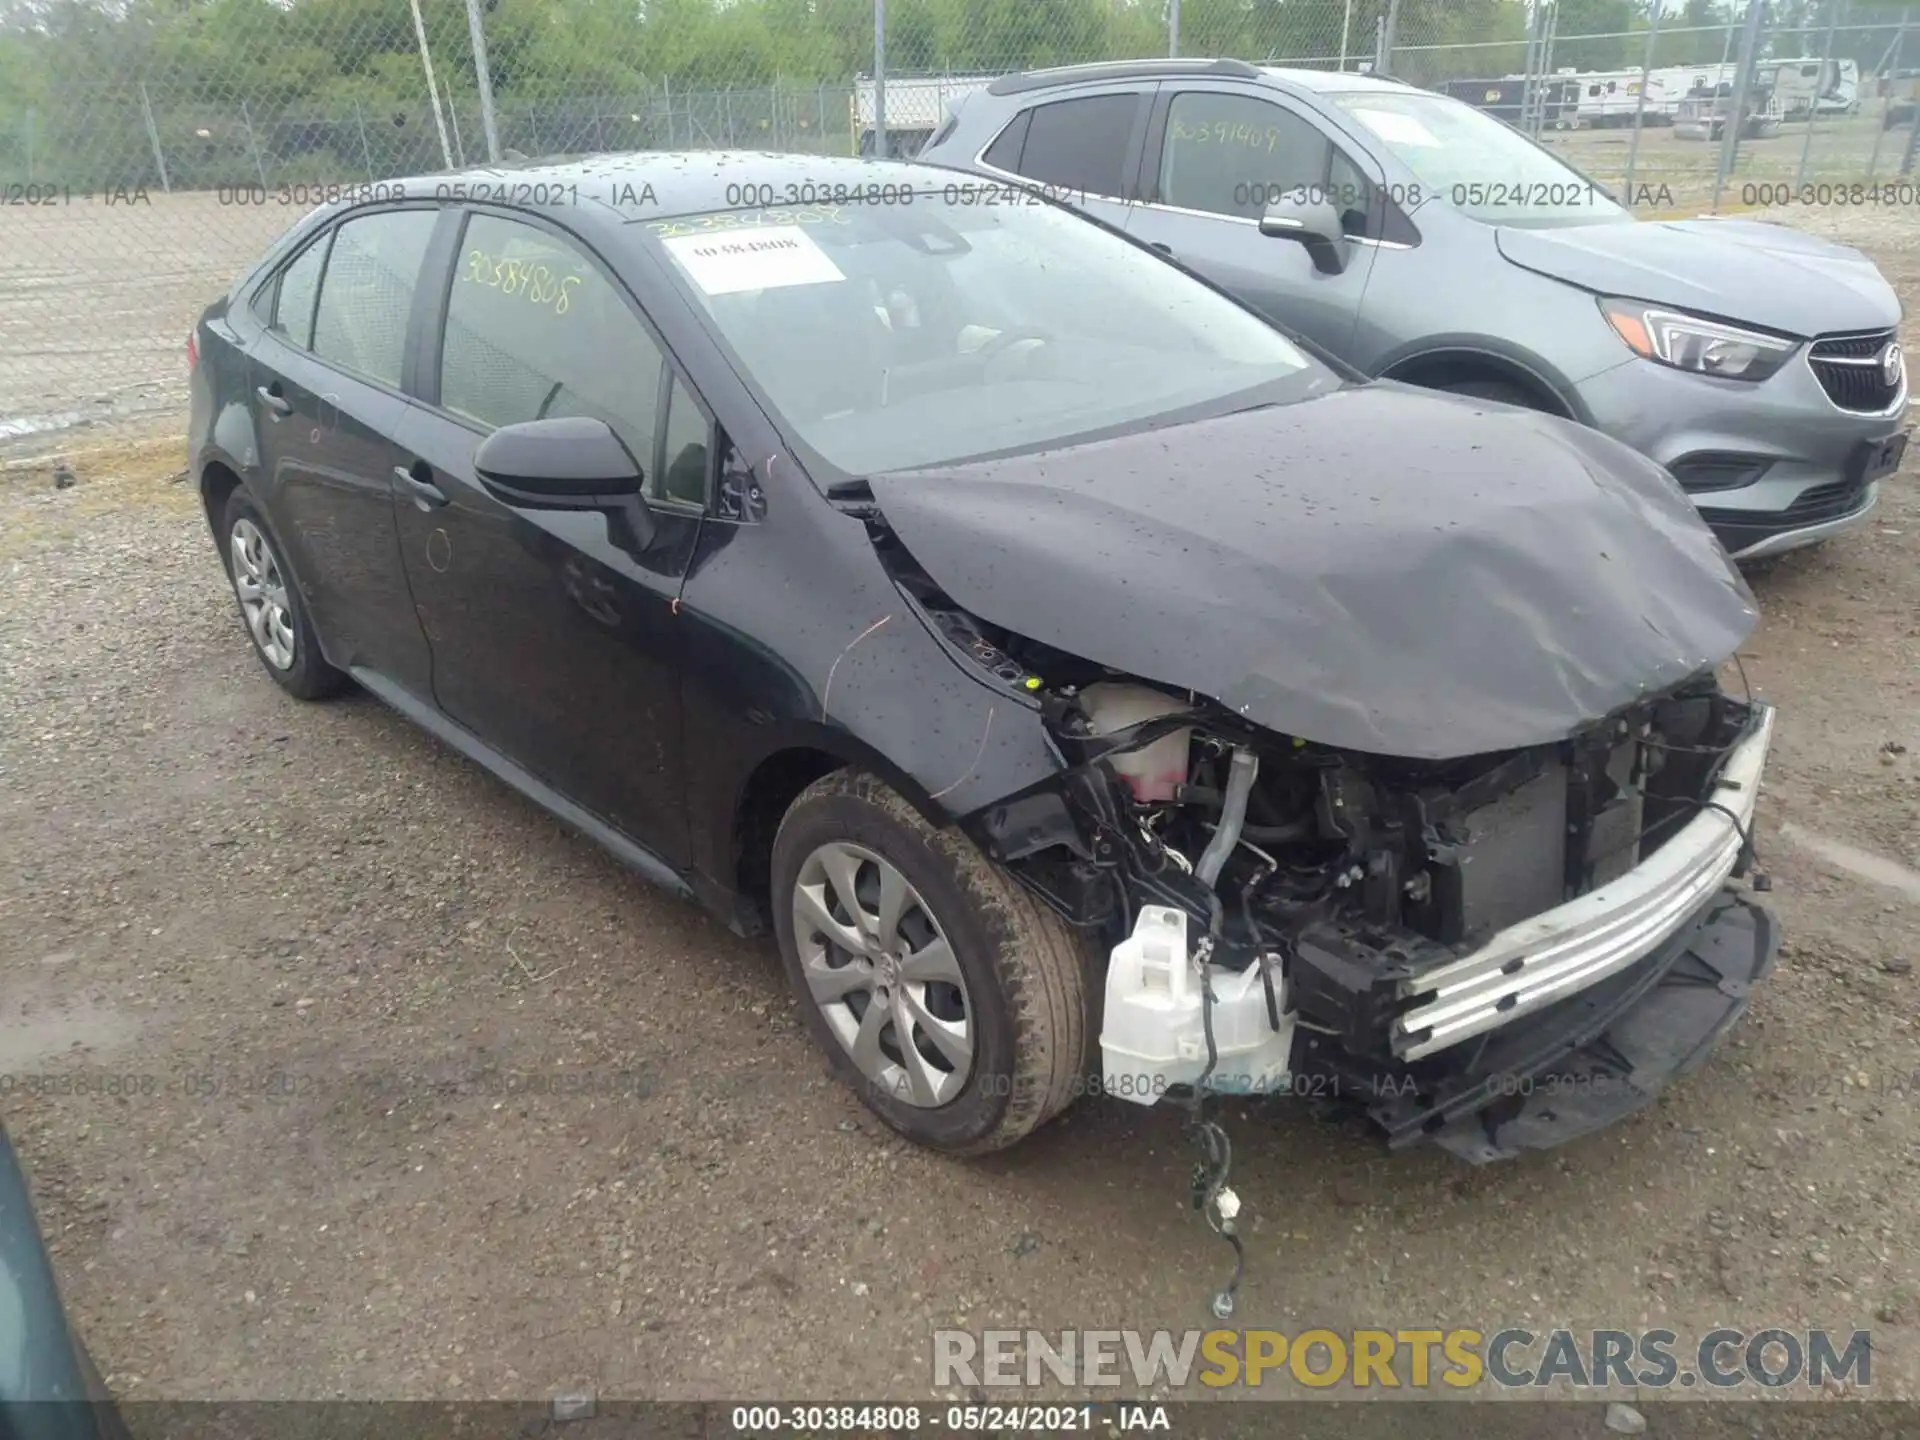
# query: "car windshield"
{"type": "Point", "coordinates": [941, 327]}
{"type": "Point", "coordinates": [1481, 166]}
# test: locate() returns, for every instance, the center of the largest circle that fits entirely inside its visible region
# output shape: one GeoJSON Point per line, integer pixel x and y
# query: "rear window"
{"type": "Point", "coordinates": [361, 322]}
{"type": "Point", "coordinates": [291, 297]}
{"type": "Point", "coordinates": [1080, 144]}
{"type": "Point", "coordinates": [1004, 153]}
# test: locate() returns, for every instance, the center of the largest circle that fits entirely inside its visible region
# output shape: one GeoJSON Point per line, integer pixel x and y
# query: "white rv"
{"type": "Point", "coordinates": [1807, 85]}
{"type": "Point", "coordinates": [916, 104]}
{"type": "Point", "coordinates": [1684, 80]}
{"type": "Point", "coordinates": [1612, 97]}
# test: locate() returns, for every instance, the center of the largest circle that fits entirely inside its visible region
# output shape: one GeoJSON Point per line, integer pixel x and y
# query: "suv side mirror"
{"type": "Point", "coordinates": [573, 462]}
{"type": "Point", "coordinates": [1314, 223]}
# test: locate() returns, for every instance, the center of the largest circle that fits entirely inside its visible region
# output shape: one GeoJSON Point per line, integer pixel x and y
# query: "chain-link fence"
{"type": "Point", "coordinates": [149, 149]}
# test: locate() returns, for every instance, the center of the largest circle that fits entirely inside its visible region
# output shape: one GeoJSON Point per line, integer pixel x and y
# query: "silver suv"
{"type": "Point", "coordinates": [1424, 241]}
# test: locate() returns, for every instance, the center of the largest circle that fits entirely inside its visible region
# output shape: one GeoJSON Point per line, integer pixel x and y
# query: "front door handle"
{"type": "Point", "coordinates": [418, 479]}
{"type": "Point", "coordinates": [271, 397]}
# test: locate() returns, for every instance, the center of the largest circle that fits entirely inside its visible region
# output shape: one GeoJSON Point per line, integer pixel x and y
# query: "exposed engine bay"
{"type": "Point", "coordinates": [1511, 935]}
{"type": "Point", "coordinates": [1364, 925]}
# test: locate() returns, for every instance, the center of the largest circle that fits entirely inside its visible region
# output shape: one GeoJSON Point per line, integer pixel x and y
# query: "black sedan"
{"type": "Point", "coordinates": [50, 1388]}
{"type": "Point", "coordinates": [1093, 687]}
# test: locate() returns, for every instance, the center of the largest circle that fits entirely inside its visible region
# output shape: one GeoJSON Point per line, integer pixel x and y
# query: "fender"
{"type": "Point", "coordinates": [716, 816]}
{"type": "Point", "coordinates": [785, 736]}
{"type": "Point", "coordinates": [233, 444]}
{"type": "Point", "coordinates": [1487, 350]}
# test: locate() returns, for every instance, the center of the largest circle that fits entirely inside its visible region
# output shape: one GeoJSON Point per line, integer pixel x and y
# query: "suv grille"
{"type": "Point", "coordinates": [1851, 369]}
{"type": "Point", "coordinates": [1831, 501]}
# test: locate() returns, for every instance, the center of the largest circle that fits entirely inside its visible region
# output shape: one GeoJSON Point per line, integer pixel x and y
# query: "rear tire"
{"type": "Point", "coordinates": [951, 947]}
{"type": "Point", "coordinates": [271, 606]}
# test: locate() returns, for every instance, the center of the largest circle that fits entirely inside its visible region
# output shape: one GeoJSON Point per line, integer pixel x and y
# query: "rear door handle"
{"type": "Point", "coordinates": [1163, 249]}
{"type": "Point", "coordinates": [417, 479]}
{"type": "Point", "coordinates": [271, 397]}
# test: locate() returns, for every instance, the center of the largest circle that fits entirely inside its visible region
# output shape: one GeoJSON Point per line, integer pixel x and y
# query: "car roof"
{"type": "Point", "coordinates": [1319, 81]}
{"type": "Point", "coordinates": [1332, 82]}
{"type": "Point", "coordinates": [659, 184]}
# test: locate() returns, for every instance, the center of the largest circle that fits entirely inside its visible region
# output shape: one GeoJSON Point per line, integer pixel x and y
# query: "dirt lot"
{"type": "Point", "coordinates": [1671, 172]}
{"type": "Point", "coordinates": [431, 1099]}
{"type": "Point", "coordinates": [97, 293]}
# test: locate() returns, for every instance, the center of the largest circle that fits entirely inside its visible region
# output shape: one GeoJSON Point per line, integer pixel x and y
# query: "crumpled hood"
{"type": "Point", "coordinates": [1746, 270]}
{"type": "Point", "coordinates": [1380, 568]}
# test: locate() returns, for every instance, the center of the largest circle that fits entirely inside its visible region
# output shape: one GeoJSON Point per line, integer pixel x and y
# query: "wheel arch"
{"type": "Point", "coordinates": [218, 481]}
{"type": "Point", "coordinates": [767, 791]}
{"type": "Point", "coordinates": [1437, 367]}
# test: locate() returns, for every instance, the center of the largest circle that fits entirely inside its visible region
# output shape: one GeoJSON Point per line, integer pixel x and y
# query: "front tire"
{"type": "Point", "coordinates": [941, 989]}
{"type": "Point", "coordinates": [271, 606]}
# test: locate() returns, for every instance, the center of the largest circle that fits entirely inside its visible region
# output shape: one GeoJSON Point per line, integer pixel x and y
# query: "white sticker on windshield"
{"type": "Point", "coordinates": [1397, 129]}
{"type": "Point", "coordinates": [764, 258]}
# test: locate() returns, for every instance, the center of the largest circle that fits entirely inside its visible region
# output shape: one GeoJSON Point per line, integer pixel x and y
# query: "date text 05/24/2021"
{"type": "Point", "coordinates": [1034, 1419]}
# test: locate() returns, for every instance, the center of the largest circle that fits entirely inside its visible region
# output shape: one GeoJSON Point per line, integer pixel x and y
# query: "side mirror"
{"type": "Point", "coordinates": [1314, 223]}
{"type": "Point", "coordinates": [570, 463]}
{"type": "Point", "coordinates": [573, 462]}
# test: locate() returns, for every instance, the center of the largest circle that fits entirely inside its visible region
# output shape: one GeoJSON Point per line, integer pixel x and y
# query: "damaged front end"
{"type": "Point", "coordinates": [1431, 817]}
{"type": "Point", "coordinates": [1497, 953]}
{"type": "Point", "coordinates": [1437, 819]}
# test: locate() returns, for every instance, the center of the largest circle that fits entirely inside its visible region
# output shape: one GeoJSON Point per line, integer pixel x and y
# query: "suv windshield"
{"type": "Point", "coordinates": [967, 321]}
{"type": "Point", "coordinates": [1481, 166]}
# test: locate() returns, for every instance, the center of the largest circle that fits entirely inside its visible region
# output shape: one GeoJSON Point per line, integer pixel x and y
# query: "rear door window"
{"type": "Point", "coordinates": [367, 294]}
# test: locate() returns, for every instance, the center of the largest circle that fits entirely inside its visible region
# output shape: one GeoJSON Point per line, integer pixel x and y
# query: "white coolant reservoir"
{"type": "Point", "coordinates": [1154, 771]}
{"type": "Point", "coordinates": [1153, 1034]}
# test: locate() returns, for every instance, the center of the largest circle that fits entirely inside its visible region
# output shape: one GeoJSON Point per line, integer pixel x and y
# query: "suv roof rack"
{"type": "Point", "coordinates": [1120, 70]}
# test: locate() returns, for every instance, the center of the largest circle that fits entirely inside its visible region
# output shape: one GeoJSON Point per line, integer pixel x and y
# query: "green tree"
{"type": "Point", "coordinates": [1597, 34]}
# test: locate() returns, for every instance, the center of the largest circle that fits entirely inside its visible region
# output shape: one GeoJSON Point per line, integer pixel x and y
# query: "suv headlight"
{"type": "Point", "coordinates": [1693, 342]}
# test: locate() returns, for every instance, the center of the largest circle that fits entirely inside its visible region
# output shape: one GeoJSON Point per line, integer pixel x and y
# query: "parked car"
{"type": "Point", "coordinates": [50, 1388]}
{"type": "Point", "coordinates": [1014, 624]}
{"type": "Point", "coordinates": [1424, 241]}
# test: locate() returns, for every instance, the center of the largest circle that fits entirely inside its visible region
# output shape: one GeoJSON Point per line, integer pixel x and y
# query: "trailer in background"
{"type": "Point", "coordinates": [916, 104]}
{"type": "Point", "coordinates": [1506, 98]}
{"type": "Point", "coordinates": [1601, 99]}
{"type": "Point", "coordinates": [1807, 85]}
{"type": "Point", "coordinates": [1613, 97]}
{"type": "Point", "coordinates": [1677, 82]}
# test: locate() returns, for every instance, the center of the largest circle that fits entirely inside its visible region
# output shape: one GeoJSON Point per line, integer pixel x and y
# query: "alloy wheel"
{"type": "Point", "coordinates": [879, 966]}
{"type": "Point", "coordinates": [258, 581]}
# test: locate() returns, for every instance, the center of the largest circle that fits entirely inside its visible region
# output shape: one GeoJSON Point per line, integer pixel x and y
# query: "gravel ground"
{"type": "Point", "coordinates": [1671, 171]}
{"type": "Point", "coordinates": [432, 1100]}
